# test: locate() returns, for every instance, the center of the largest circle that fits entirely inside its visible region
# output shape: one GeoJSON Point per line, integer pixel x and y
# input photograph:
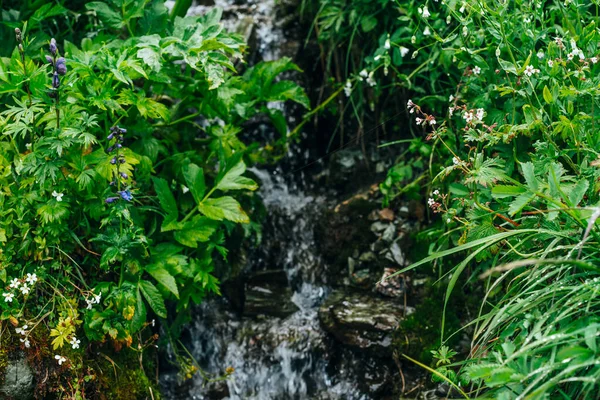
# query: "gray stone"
{"type": "Point", "coordinates": [363, 321]}
{"type": "Point", "coordinates": [268, 293]}
{"type": "Point", "coordinates": [18, 383]}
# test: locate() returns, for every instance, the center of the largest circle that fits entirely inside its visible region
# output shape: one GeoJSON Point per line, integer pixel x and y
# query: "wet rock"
{"type": "Point", "coordinates": [268, 293]}
{"type": "Point", "coordinates": [363, 321]}
{"type": "Point", "coordinates": [391, 285]}
{"type": "Point", "coordinates": [18, 381]}
{"type": "Point", "coordinates": [386, 215]}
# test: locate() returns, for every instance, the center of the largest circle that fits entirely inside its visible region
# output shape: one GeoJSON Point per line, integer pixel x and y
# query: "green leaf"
{"type": "Point", "coordinates": [501, 191]}
{"type": "Point", "coordinates": [194, 177]}
{"type": "Point", "coordinates": [368, 23]}
{"type": "Point", "coordinates": [154, 298]}
{"type": "Point", "coordinates": [140, 314]}
{"type": "Point", "coordinates": [547, 95]}
{"type": "Point", "coordinates": [199, 229]}
{"type": "Point", "coordinates": [167, 203]}
{"type": "Point", "coordinates": [529, 174]}
{"type": "Point", "coordinates": [163, 277]}
{"type": "Point", "coordinates": [106, 14]}
{"type": "Point", "coordinates": [288, 90]}
{"type": "Point", "coordinates": [578, 191]}
{"type": "Point", "coordinates": [232, 179]}
{"type": "Point", "coordinates": [520, 202]}
{"type": "Point", "coordinates": [507, 66]}
{"type": "Point", "coordinates": [224, 208]}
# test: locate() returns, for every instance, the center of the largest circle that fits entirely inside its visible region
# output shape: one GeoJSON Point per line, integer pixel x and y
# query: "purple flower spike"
{"type": "Point", "coordinates": [113, 161]}
{"type": "Point", "coordinates": [50, 60]}
{"type": "Point", "coordinates": [55, 81]}
{"type": "Point", "coordinates": [61, 66]}
{"type": "Point", "coordinates": [111, 200]}
{"type": "Point", "coordinates": [124, 175]}
{"type": "Point", "coordinates": [53, 47]}
{"type": "Point", "coordinates": [126, 195]}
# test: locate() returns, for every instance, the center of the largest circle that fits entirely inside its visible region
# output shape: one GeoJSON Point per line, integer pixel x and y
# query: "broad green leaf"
{"type": "Point", "coordinates": [578, 191]}
{"type": "Point", "coordinates": [223, 208]}
{"type": "Point", "coordinates": [232, 180]}
{"type": "Point", "coordinates": [502, 191]}
{"type": "Point", "coordinates": [368, 23]}
{"type": "Point", "coordinates": [288, 90]}
{"type": "Point", "coordinates": [167, 203]}
{"type": "Point", "coordinates": [107, 14]}
{"type": "Point", "coordinates": [199, 229]}
{"type": "Point", "coordinates": [194, 177]}
{"type": "Point", "coordinates": [154, 298]}
{"type": "Point", "coordinates": [163, 277]}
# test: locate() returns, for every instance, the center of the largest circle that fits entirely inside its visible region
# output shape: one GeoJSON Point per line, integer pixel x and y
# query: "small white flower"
{"type": "Point", "coordinates": [476, 70]}
{"type": "Point", "coordinates": [480, 113]}
{"type": "Point", "coordinates": [153, 323]}
{"type": "Point", "coordinates": [22, 330]}
{"type": "Point", "coordinates": [527, 20]}
{"type": "Point", "coordinates": [8, 297]}
{"type": "Point", "coordinates": [31, 278]}
{"type": "Point", "coordinates": [455, 160]}
{"type": "Point", "coordinates": [25, 342]}
{"type": "Point", "coordinates": [450, 110]}
{"type": "Point", "coordinates": [570, 56]}
{"type": "Point", "coordinates": [436, 192]}
{"type": "Point", "coordinates": [419, 120]}
{"type": "Point", "coordinates": [432, 121]}
{"type": "Point", "coordinates": [426, 13]}
{"type": "Point", "coordinates": [75, 342]}
{"type": "Point", "coordinates": [185, 189]}
{"type": "Point", "coordinates": [25, 289]}
{"type": "Point", "coordinates": [414, 54]}
{"type": "Point", "coordinates": [448, 220]}
{"type": "Point", "coordinates": [363, 74]}
{"type": "Point", "coordinates": [28, 146]}
{"type": "Point", "coordinates": [450, 99]}
{"type": "Point", "coordinates": [377, 57]}
{"type": "Point", "coordinates": [413, 39]}
{"type": "Point", "coordinates": [498, 51]}
{"type": "Point", "coordinates": [348, 88]}
{"type": "Point", "coordinates": [468, 116]}
{"type": "Point", "coordinates": [550, 63]}
{"type": "Point", "coordinates": [594, 60]}
{"type": "Point", "coordinates": [540, 54]}
{"type": "Point", "coordinates": [387, 44]}
{"type": "Point", "coordinates": [465, 31]}
{"type": "Point", "coordinates": [60, 359]}
{"type": "Point", "coordinates": [370, 79]}
{"type": "Point", "coordinates": [462, 8]}
{"type": "Point", "coordinates": [529, 70]}
{"type": "Point", "coordinates": [581, 55]}
{"type": "Point", "coordinates": [403, 51]}
{"type": "Point", "coordinates": [57, 196]}
{"type": "Point", "coordinates": [15, 283]}
{"type": "Point", "coordinates": [90, 303]}
{"type": "Point", "coordinates": [431, 202]}
{"type": "Point", "coordinates": [97, 298]}
{"type": "Point", "coordinates": [426, 32]}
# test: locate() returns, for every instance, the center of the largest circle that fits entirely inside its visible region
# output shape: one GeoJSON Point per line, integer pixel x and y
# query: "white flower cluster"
{"type": "Point", "coordinates": [469, 116]}
{"type": "Point", "coordinates": [575, 52]}
{"type": "Point", "coordinates": [23, 287]}
{"type": "Point", "coordinates": [57, 196]}
{"type": "Point", "coordinates": [94, 299]}
{"type": "Point", "coordinates": [23, 332]}
{"type": "Point", "coordinates": [348, 88]}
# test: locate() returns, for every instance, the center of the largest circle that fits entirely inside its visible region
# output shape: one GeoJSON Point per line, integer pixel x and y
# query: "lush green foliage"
{"type": "Point", "coordinates": [122, 171]}
{"type": "Point", "coordinates": [506, 139]}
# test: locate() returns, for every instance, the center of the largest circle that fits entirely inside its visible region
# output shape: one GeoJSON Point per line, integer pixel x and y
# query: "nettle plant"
{"type": "Point", "coordinates": [515, 183]}
{"type": "Point", "coordinates": [122, 174]}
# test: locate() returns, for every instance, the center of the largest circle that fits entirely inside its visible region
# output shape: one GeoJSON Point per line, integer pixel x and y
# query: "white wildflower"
{"type": "Point", "coordinates": [22, 330]}
{"type": "Point", "coordinates": [431, 202]}
{"type": "Point", "coordinates": [529, 70]}
{"type": "Point", "coordinates": [25, 289]}
{"type": "Point", "coordinates": [479, 114]}
{"type": "Point", "coordinates": [31, 278]}
{"type": "Point", "coordinates": [15, 283]}
{"type": "Point", "coordinates": [432, 121]}
{"type": "Point", "coordinates": [540, 54]}
{"type": "Point", "coordinates": [403, 51]}
{"type": "Point", "coordinates": [60, 359]}
{"type": "Point", "coordinates": [8, 297]}
{"type": "Point", "coordinates": [57, 196]}
{"type": "Point", "coordinates": [436, 192]}
{"type": "Point", "coordinates": [550, 63]}
{"type": "Point", "coordinates": [468, 116]}
{"type": "Point", "coordinates": [451, 98]}
{"type": "Point", "coordinates": [370, 79]}
{"type": "Point", "coordinates": [387, 45]}
{"type": "Point", "coordinates": [426, 13]}
{"type": "Point", "coordinates": [594, 60]}
{"type": "Point", "coordinates": [462, 8]}
{"type": "Point", "coordinates": [25, 342]}
{"type": "Point", "coordinates": [363, 74]}
{"type": "Point", "coordinates": [419, 120]}
{"type": "Point", "coordinates": [426, 32]}
{"type": "Point", "coordinates": [75, 342]}
{"type": "Point", "coordinates": [455, 160]}
{"type": "Point", "coordinates": [97, 298]}
{"type": "Point", "coordinates": [348, 88]}
{"type": "Point", "coordinates": [185, 189]}
{"type": "Point", "coordinates": [476, 70]}
{"type": "Point", "coordinates": [28, 146]}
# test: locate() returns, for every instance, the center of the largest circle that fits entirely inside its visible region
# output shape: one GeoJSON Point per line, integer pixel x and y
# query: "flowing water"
{"type": "Point", "coordinates": [278, 349]}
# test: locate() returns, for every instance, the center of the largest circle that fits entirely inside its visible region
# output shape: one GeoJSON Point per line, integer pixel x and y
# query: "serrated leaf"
{"type": "Point", "coordinates": [199, 229]}
{"type": "Point", "coordinates": [154, 298]}
{"type": "Point", "coordinates": [578, 191]}
{"type": "Point", "coordinates": [520, 202]}
{"type": "Point", "coordinates": [529, 174]}
{"type": "Point", "coordinates": [167, 203]}
{"type": "Point", "coordinates": [140, 314]}
{"type": "Point", "coordinates": [223, 208]}
{"type": "Point", "coordinates": [194, 177]}
{"type": "Point", "coordinates": [232, 179]}
{"type": "Point", "coordinates": [163, 277]}
{"type": "Point", "coordinates": [106, 14]}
